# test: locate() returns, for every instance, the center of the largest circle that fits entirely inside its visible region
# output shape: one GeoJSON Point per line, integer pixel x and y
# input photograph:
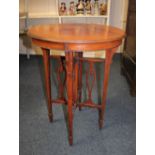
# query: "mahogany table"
{"type": "Point", "coordinates": [76, 38]}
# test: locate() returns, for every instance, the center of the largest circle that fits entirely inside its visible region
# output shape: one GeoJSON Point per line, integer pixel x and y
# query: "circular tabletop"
{"type": "Point", "coordinates": [76, 33]}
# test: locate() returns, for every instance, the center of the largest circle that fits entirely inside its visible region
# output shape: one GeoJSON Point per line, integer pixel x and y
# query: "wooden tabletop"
{"type": "Point", "coordinates": [76, 33]}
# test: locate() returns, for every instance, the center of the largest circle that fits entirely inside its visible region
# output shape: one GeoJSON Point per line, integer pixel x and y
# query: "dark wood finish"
{"type": "Point", "coordinates": [77, 46]}
{"type": "Point", "coordinates": [129, 54]}
{"type": "Point", "coordinates": [75, 84]}
{"type": "Point", "coordinates": [88, 104]}
{"type": "Point", "coordinates": [59, 101]}
{"type": "Point", "coordinates": [69, 68]}
{"type": "Point", "coordinates": [46, 58]}
{"type": "Point", "coordinates": [80, 55]}
{"type": "Point", "coordinates": [78, 75]}
{"type": "Point", "coordinates": [90, 81]}
{"type": "Point", "coordinates": [75, 38]}
{"type": "Point", "coordinates": [61, 82]}
{"type": "Point", "coordinates": [108, 59]}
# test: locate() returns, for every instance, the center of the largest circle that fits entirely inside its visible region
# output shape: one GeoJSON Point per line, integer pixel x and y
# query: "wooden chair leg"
{"type": "Point", "coordinates": [69, 69]}
{"type": "Point", "coordinates": [46, 59]}
{"type": "Point", "coordinates": [109, 55]}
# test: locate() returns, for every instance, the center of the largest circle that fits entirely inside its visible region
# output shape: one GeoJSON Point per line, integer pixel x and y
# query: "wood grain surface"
{"type": "Point", "coordinates": [76, 33]}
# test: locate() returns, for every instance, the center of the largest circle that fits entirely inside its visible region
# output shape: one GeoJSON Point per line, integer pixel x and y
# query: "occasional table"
{"type": "Point", "coordinates": [74, 39]}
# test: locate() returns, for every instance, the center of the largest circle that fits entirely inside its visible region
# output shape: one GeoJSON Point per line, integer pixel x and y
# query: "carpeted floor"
{"type": "Point", "coordinates": [39, 137]}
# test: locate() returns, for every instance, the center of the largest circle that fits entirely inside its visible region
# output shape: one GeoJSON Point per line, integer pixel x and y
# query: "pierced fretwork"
{"type": "Point", "coordinates": [61, 79]}
{"type": "Point", "coordinates": [90, 80]}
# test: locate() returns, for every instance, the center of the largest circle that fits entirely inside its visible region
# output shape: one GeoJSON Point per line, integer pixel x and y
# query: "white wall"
{"type": "Point", "coordinates": [118, 15]}
{"type": "Point", "coordinates": [115, 15]}
{"type": "Point", "coordinates": [21, 5]}
{"type": "Point", "coordinates": [118, 12]}
{"type": "Point", "coordinates": [43, 6]}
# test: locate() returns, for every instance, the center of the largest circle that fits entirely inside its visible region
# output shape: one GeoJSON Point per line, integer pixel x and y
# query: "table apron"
{"type": "Point", "coordinates": [76, 46]}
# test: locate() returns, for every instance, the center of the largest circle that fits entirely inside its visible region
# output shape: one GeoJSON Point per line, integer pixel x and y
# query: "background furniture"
{"type": "Point", "coordinates": [74, 39]}
{"type": "Point", "coordinates": [129, 54]}
{"type": "Point", "coordinates": [23, 26]}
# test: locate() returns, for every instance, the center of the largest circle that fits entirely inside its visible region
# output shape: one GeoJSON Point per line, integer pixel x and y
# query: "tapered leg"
{"type": "Point", "coordinates": [75, 83]}
{"type": "Point", "coordinates": [108, 59]}
{"type": "Point", "coordinates": [80, 79]}
{"type": "Point", "coordinates": [46, 58]}
{"type": "Point", "coordinates": [69, 68]}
